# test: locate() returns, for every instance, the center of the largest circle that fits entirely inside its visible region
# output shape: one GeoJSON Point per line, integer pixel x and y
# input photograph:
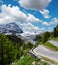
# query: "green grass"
{"type": "Point", "coordinates": [53, 38]}
{"type": "Point", "coordinates": [51, 46]}
{"type": "Point", "coordinates": [56, 39]}
{"type": "Point", "coordinates": [27, 60]}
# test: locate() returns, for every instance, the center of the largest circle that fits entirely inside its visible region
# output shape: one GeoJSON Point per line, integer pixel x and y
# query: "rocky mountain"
{"type": "Point", "coordinates": [11, 28]}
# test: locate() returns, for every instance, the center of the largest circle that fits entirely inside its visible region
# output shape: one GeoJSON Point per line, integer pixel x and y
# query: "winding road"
{"type": "Point", "coordinates": [42, 51]}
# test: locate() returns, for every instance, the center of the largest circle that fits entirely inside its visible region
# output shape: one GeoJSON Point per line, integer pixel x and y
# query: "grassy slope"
{"type": "Point", "coordinates": [53, 38]}
{"type": "Point", "coordinates": [56, 39]}
{"type": "Point", "coordinates": [51, 46]}
{"type": "Point", "coordinates": [27, 60]}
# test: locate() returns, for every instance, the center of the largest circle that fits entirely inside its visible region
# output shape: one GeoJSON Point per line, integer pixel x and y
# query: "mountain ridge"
{"type": "Point", "coordinates": [11, 28]}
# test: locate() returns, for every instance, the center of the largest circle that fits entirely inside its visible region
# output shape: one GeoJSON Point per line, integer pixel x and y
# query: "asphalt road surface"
{"type": "Point", "coordinates": [42, 51]}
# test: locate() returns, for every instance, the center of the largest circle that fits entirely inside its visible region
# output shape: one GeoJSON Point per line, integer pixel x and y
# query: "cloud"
{"type": "Point", "coordinates": [45, 13]}
{"type": "Point", "coordinates": [34, 4]}
{"type": "Point", "coordinates": [54, 21]}
{"type": "Point", "coordinates": [45, 23]}
{"type": "Point", "coordinates": [14, 14]}
{"type": "Point", "coordinates": [29, 27]}
{"type": "Point", "coordinates": [31, 18]}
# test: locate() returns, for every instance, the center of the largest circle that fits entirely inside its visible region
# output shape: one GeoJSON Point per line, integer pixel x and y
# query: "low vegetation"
{"type": "Point", "coordinates": [8, 50]}
{"type": "Point", "coordinates": [29, 60]}
{"type": "Point", "coordinates": [12, 48]}
{"type": "Point", "coordinates": [15, 39]}
{"type": "Point", "coordinates": [56, 31]}
{"type": "Point", "coordinates": [51, 46]}
{"type": "Point", "coordinates": [55, 39]}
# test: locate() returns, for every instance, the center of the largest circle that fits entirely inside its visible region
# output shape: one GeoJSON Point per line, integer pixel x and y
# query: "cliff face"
{"type": "Point", "coordinates": [11, 28]}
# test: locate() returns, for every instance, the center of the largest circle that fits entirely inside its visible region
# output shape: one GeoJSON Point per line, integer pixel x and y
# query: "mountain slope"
{"type": "Point", "coordinates": [10, 28]}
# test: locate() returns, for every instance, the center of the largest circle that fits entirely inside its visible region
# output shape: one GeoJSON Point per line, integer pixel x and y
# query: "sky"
{"type": "Point", "coordinates": [33, 16]}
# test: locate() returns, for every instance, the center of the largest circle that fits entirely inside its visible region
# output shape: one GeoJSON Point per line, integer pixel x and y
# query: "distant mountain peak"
{"type": "Point", "coordinates": [11, 28]}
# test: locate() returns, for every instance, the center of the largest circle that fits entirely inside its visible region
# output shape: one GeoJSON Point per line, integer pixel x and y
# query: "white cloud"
{"type": "Point", "coordinates": [54, 21]}
{"type": "Point", "coordinates": [14, 14]}
{"type": "Point", "coordinates": [45, 13]}
{"type": "Point", "coordinates": [34, 4]}
{"type": "Point", "coordinates": [45, 23]}
{"type": "Point", "coordinates": [29, 27]}
{"type": "Point", "coordinates": [32, 18]}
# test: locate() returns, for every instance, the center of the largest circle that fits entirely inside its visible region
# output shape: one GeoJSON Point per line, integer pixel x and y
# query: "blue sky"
{"type": "Point", "coordinates": [31, 16]}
